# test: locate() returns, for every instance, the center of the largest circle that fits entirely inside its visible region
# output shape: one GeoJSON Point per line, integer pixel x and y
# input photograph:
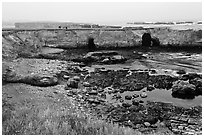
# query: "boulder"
{"type": "Point", "coordinates": [198, 83]}
{"type": "Point", "coordinates": [183, 89]}
{"type": "Point", "coordinates": [42, 81]}
{"type": "Point", "coordinates": [155, 42]}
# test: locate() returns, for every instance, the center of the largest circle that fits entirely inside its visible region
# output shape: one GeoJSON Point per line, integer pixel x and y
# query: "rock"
{"type": "Point", "coordinates": [128, 97]}
{"type": "Point", "coordinates": [155, 42]}
{"type": "Point", "coordinates": [117, 59]}
{"type": "Point", "coordinates": [42, 81]}
{"type": "Point", "coordinates": [198, 83]}
{"type": "Point", "coordinates": [181, 71]}
{"type": "Point", "coordinates": [135, 102]}
{"type": "Point", "coordinates": [105, 61]}
{"type": "Point", "coordinates": [93, 92]}
{"type": "Point", "coordinates": [109, 90]}
{"type": "Point", "coordinates": [141, 101]}
{"type": "Point", "coordinates": [138, 86]}
{"type": "Point", "coordinates": [147, 124]}
{"type": "Point", "coordinates": [76, 78]}
{"type": "Point", "coordinates": [150, 88]}
{"type": "Point", "coordinates": [66, 77]}
{"type": "Point", "coordinates": [86, 84]}
{"type": "Point", "coordinates": [143, 95]}
{"type": "Point", "coordinates": [135, 95]}
{"type": "Point", "coordinates": [180, 127]}
{"type": "Point", "coordinates": [126, 105]}
{"type": "Point", "coordinates": [183, 89]}
{"type": "Point", "coordinates": [72, 83]}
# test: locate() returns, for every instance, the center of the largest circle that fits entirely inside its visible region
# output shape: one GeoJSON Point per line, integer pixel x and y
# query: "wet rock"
{"type": "Point", "coordinates": [183, 89]}
{"type": "Point", "coordinates": [126, 105]}
{"type": "Point", "coordinates": [128, 97]}
{"type": "Point", "coordinates": [150, 88]}
{"type": "Point", "coordinates": [147, 124]}
{"type": "Point", "coordinates": [143, 95]}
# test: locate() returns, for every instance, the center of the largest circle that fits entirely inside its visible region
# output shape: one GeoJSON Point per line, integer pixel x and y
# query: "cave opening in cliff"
{"type": "Point", "coordinates": [91, 44]}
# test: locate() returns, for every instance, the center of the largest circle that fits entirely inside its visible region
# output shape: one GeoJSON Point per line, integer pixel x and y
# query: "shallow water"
{"type": "Point", "coordinates": [160, 95]}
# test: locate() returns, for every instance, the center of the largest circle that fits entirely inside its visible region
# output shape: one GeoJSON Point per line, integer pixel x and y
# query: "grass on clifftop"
{"type": "Point", "coordinates": [38, 114]}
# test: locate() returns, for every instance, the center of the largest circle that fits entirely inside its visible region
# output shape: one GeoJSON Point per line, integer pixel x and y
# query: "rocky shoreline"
{"type": "Point", "coordinates": [101, 92]}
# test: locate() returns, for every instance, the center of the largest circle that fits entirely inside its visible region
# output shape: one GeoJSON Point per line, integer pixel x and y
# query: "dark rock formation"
{"type": "Point", "coordinates": [91, 45]}
{"type": "Point", "coordinates": [102, 57]}
{"type": "Point", "coordinates": [155, 42]}
{"type": "Point", "coordinates": [146, 40]}
{"type": "Point", "coordinates": [183, 89]}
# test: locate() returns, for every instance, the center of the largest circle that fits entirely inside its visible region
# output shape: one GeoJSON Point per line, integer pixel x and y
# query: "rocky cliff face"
{"type": "Point", "coordinates": [33, 40]}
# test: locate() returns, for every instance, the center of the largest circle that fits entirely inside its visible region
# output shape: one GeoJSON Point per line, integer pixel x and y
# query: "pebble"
{"type": "Point", "coordinates": [143, 95]}
{"type": "Point", "coordinates": [147, 124]}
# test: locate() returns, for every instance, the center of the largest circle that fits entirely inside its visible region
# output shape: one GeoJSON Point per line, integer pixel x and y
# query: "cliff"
{"type": "Point", "coordinates": [33, 39]}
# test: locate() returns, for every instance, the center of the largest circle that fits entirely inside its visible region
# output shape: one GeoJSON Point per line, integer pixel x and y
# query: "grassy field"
{"type": "Point", "coordinates": [28, 110]}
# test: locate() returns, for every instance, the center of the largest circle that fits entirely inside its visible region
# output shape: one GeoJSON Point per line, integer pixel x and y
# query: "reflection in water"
{"type": "Point", "coordinates": [160, 95]}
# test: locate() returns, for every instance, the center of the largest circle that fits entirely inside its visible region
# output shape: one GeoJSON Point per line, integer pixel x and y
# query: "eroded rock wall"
{"type": "Point", "coordinates": [33, 40]}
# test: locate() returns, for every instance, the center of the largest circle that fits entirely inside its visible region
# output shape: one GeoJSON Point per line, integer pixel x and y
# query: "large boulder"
{"type": "Point", "coordinates": [183, 89]}
{"type": "Point", "coordinates": [42, 81]}
{"type": "Point", "coordinates": [102, 57]}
